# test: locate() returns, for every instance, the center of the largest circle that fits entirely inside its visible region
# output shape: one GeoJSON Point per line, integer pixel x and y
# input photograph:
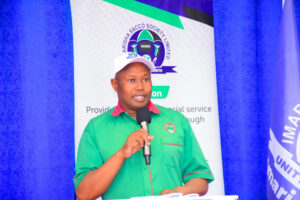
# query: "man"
{"type": "Point", "coordinates": [109, 161]}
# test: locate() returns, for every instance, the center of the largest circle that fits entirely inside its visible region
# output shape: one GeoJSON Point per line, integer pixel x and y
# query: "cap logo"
{"type": "Point", "coordinates": [170, 127]}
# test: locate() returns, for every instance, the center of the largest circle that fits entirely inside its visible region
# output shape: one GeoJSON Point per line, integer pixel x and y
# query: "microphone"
{"type": "Point", "coordinates": [143, 117]}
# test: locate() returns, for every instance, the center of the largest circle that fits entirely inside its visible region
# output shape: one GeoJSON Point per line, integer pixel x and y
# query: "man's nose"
{"type": "Point", "coordinates": [139, 85]}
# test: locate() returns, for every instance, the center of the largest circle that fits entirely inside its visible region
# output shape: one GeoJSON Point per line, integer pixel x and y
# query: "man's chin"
{"type": "Point", "coordinates": [138, 105]}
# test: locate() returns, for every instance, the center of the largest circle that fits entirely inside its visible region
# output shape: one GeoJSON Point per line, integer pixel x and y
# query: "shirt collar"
{"type": "Point", "coordinates": [118, 109]}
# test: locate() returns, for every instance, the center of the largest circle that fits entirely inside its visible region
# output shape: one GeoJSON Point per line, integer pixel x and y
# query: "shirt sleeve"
{"type": "Point", "coordinates": [88, 155]}
{"type": "Point", "coordinates": [195, 165]}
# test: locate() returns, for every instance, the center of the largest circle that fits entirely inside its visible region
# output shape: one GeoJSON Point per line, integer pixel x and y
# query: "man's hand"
{"type": "Point", "coordinates": [90, 187]}
{"type": "Point", "coordinates": [167, 191]}
{"type": "Point", "coordinates": [135, 142]}
{"type": "Point", "coordinates": [195, 185]}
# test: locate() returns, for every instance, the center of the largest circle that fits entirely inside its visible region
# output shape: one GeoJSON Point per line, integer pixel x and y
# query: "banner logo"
{"type": "Point", "coordinates": [149, 41]}
{"type": "Point", "coordinates": [284, 161]}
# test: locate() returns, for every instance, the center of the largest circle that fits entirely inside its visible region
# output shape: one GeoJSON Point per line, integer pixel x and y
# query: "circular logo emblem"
{"type": "Point", "coordinates": [148, 44]}
{"type": "Point", "coordinates": [170, 127]}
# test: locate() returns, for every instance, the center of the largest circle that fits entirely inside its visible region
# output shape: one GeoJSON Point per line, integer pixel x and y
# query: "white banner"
{"type": "Point", "coordinates": [184, 58]}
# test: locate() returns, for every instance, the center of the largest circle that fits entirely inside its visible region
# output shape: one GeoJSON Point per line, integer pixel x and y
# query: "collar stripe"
{"type": "Point", "coordinates": [118, 109]}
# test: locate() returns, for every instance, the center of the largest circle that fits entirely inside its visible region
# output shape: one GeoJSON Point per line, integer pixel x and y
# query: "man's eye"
{"type": "Point", "coordinates": [131, 80]}
{"type": "Point", "coordinates": [146, 79]}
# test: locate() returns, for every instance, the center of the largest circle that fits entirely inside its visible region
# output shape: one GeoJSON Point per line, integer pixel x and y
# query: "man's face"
{"type": "Point", "coordinates": [133, 86]}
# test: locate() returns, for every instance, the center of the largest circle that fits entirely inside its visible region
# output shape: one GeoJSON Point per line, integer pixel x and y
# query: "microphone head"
{"type": "Point", "coordinates": [143, 114]}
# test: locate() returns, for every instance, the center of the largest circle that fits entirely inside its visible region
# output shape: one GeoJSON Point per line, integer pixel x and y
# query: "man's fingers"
{"type": "Point", "coordinates": [136, 141]}
{"type": "Point", "coordinates": [145, 136]}
{"type": "Point", "coordinates": [150, 138]}
{"type": "Point", "coordinates": [143, 131]}
{"type": "Point", "coordinates": [140, 142]}
{"type": "Point", "coordinates": [145, 139]}
{"type": "Point", "coordinates": [166, 191]}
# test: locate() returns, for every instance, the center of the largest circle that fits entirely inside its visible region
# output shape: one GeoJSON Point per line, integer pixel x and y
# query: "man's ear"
{"type": "Point", "coordinates": [114, 84]}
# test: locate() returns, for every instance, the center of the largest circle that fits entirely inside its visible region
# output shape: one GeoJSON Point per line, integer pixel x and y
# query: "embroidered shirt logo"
{"type": "Point", "coordinates": [170, 127]}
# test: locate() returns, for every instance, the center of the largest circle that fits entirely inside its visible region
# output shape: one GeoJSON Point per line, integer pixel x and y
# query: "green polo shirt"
{"type": "Point", "coordinates": [175, 154]}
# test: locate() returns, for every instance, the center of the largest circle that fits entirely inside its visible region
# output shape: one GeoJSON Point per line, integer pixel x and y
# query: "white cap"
{"type": "Point", "coordinates": [131, 57]}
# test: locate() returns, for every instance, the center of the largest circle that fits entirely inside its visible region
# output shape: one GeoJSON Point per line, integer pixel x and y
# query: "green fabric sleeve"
{"type": "Point", "coordinates": [195, 165]}
{"type": "Point", "coordinates": [88, 156]}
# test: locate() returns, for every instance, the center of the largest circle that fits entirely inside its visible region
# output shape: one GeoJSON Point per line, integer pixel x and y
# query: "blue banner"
{"type": "Point", "coordinates": [284, 143]}
{"type": "Point", "coordinates": [36, 100]}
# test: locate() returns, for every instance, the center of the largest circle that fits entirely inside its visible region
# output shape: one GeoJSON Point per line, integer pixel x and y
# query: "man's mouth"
{"type": "Point", "coordinates": [139, 97]}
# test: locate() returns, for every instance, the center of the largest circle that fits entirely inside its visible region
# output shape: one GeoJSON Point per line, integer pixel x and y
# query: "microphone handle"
{"type": "Point", "coordinates": [146, 149]}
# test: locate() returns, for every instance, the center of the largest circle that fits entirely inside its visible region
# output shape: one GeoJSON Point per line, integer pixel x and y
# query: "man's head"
{"type": "Point", "coordinates": [133, 84]}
